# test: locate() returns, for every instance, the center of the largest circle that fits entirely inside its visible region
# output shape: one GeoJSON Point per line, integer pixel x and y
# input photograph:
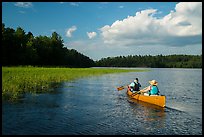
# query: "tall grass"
{"type": "Point", "coordinates": [19, 80]}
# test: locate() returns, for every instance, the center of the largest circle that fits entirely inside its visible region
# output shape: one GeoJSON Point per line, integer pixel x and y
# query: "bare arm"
{"type": "Point", "coordinates": [145, 89]}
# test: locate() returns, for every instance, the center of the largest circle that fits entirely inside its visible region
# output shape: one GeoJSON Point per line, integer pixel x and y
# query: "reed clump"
{"type": "Point", "coordinates": [19, 80]}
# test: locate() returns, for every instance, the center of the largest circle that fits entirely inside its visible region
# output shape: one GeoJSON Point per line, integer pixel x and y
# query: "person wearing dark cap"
{"type": "Point", "coordinates": [134, 86]}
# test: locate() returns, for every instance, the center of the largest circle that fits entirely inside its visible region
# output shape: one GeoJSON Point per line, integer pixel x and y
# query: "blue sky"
{"type": "Point", "coordinates": [106, 29]}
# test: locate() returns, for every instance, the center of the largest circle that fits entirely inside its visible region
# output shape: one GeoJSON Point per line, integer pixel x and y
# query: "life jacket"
{"type": "Point", "coordinates": [154, 90]}
{"type": "Point", "coordinates": [136, 87]}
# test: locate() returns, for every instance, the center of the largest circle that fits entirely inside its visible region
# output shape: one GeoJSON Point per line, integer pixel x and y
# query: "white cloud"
{"type": "Point", "coordinates": [24, 4]}
{"type": "Point", "coordinates": [74, 4]}
{"type": "Point", "coordinates": [96, 49]}
{"type": "Point", "coordinates": [121, 7]}
{"type": "Point", "coordinates": [179, 28]}
{"type": "Point", "coordinates": [132, 34]}
{"type": "Point", "coordinates": [70, 31]}
{"type": "Point", "coordinates": [91, 34]}
{"type": "Point", "coordinates": [103, 2]}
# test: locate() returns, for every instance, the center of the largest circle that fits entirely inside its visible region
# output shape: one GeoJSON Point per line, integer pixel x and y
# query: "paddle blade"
{"type": "Point", "coordinates": [120, 88]}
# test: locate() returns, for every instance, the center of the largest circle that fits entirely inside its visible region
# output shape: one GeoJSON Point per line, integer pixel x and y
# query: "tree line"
{"type": "Point", "coordinates": [158, 61]}
{"type": "Point", "coordinates": [19, 48]}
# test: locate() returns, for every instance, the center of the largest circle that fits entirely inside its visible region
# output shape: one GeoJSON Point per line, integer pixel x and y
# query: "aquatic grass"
{"type": "Point", "coordinates": [19, 80]}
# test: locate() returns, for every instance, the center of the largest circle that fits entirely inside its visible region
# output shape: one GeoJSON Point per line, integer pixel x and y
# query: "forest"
{"type": "Point", "coordinates": [159, 61]}
{"type": "Point", "coordinates": [21, 48]}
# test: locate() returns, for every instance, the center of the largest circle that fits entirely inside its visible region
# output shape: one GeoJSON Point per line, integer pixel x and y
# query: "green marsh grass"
{"type": "Point", "coordinates": [19, 80]}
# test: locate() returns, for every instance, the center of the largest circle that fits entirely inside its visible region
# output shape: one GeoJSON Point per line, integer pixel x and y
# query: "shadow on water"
{"type": "Point", "coordinates": [148, 112]}
{"type": "Point", "coordinates": [167, 120]}
{"type": "Point", "coordinates": [173, 109]}
{"type": "Point", "coordinates": [150, 109]}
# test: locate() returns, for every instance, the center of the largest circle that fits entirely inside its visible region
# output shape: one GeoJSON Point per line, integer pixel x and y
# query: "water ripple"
{"type": "Point", "coordinates": [90, 106]}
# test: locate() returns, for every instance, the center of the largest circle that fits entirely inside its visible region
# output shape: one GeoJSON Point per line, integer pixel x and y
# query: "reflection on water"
{"type": "Point", "coordinates": [93, 106]}
{"type": "Point", "coordinates": [148, 111]}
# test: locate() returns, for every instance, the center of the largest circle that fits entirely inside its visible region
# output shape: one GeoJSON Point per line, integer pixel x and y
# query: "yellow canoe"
{"type": "Point", "coordinates": [156, 100]}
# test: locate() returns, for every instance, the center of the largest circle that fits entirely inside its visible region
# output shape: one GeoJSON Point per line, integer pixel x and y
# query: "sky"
{"type": "Point", "coordinates": [109, 29]}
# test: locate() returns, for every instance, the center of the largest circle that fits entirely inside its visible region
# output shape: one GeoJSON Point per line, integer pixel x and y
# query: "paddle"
{"type": "Point", "coordinates": [143, 90]}
{"type": "Point", "coordinates": [121, 88]}
{"type": "Point", "coordinates": [140, 91]}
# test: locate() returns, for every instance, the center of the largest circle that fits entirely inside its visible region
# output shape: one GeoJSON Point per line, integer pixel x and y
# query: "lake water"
{"type": "Point", "coordinates": [93, 106]}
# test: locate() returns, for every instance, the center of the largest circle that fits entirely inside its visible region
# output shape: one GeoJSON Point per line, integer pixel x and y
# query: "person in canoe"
{"type": "Point", "coordinates": [152, 89]}
{"type": "Point", "coordinates": [134, 86]}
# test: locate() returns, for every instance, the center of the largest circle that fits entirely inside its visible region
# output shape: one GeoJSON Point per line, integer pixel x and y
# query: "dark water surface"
{"type": "Point", "coordinates": [93, 106]}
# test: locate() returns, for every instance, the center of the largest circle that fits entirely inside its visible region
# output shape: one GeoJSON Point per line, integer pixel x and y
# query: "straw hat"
{"type": "Point", "coordinates": [153, 82]}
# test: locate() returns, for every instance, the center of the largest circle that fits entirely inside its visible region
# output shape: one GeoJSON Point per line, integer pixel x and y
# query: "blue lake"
{"type": "Point", "coordinates": [93, 106]}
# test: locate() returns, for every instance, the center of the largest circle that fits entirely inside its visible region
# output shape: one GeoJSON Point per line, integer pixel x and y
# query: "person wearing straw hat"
{"type": "Point", "coordinates": [152, 89]}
